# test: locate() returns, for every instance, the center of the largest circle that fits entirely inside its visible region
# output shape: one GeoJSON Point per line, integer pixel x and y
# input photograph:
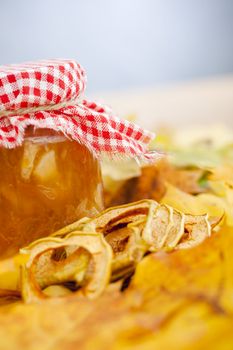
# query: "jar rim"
{"type": "Point", "coordinates": [43, 135]}
{"type": "Point", "coordinates": [46, 139]}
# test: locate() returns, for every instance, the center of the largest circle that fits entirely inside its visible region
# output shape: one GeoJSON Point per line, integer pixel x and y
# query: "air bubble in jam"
{"type": "Point", "coordinates": [45, 184]}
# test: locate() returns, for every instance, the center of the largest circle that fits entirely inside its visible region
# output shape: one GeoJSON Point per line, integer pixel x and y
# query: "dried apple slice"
{"type": "Point", "coordinates": [157, 227]}
{"type": "Point", "coordinates": [75, 226]}
{"type": "Point", "coordinates": [82, 258]}
{"type": "Point", "coordinates": [176, 230]}
{"type": "Point", "coordinates": [124, 214]}
{"type": "Point", "coordinates": [106, 220]}
{"type": "Point", "coordinates": [197, 229]}
{"type": "Point", "coordinates": [128, 248]}
{"type": "Point", "coordinates": [121, 227]}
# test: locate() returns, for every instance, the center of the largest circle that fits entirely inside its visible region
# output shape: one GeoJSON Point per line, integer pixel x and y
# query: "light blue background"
{"type": "Point", "coordinates": [122, 43]}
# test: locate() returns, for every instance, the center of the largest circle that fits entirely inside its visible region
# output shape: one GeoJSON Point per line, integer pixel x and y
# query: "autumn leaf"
{"type": "Point", "coordinates": [169, 304]}
{"type": "Point", "coordinates": [161, 277]}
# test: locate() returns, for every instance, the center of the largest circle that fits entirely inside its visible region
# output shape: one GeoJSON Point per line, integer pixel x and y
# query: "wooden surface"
{"type": "Point", "coordinates": [195, 102]}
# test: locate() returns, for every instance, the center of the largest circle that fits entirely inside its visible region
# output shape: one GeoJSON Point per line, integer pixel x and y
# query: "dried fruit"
{"type": "Point", "coordinates": [90, 253]}
{"type": "Point", "coordinates": [84, 258]}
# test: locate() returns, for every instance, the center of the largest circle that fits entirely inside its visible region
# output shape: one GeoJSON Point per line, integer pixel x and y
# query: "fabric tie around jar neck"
{"type": "Point", "coordinates": [49, 94]}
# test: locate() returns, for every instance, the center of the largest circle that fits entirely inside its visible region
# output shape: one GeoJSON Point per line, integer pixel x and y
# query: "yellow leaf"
{"type": "Point", "coordinates": [204, 203]}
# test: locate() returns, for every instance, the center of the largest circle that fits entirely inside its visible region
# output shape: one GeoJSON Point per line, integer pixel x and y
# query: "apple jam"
{"type": "Point", "coordinates": [45, 184]}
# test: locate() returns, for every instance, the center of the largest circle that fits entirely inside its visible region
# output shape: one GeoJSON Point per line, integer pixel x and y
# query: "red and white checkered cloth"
{"type": "Point", "coordinates": [48, 94]}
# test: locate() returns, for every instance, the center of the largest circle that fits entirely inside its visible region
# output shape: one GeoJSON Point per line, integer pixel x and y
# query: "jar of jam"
{"type": "Point", "coordinates": [49, 138]}
{"type": "Point", "coordinates": [46, 183]}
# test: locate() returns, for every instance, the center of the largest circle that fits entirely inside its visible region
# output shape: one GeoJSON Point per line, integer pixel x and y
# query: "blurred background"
{"type": "Point", "coordinates": [164, 61]}
{"type": "Point", "coordinates": [125, 43]}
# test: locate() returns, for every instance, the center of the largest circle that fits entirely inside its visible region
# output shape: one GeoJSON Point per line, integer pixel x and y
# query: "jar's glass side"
{"type": "Point", "coordinates": [45, 185]}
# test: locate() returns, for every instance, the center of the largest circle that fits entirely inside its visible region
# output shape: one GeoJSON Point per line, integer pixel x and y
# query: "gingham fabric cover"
{"type": "Point", "coordinates": [48, 83]}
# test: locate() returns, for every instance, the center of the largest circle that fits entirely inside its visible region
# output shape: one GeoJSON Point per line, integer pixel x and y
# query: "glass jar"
{"type": "Point", "coordinates": [45, 184]}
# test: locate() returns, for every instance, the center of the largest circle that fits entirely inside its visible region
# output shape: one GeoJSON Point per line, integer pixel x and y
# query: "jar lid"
{"type": "Point", "coordinates": [43, 83]}
{"type": "Point", "coordinates": [49, 94]}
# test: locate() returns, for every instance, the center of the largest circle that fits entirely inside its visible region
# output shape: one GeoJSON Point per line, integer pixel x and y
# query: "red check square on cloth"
{"type": "Point", "coordinates": [49, 94]}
